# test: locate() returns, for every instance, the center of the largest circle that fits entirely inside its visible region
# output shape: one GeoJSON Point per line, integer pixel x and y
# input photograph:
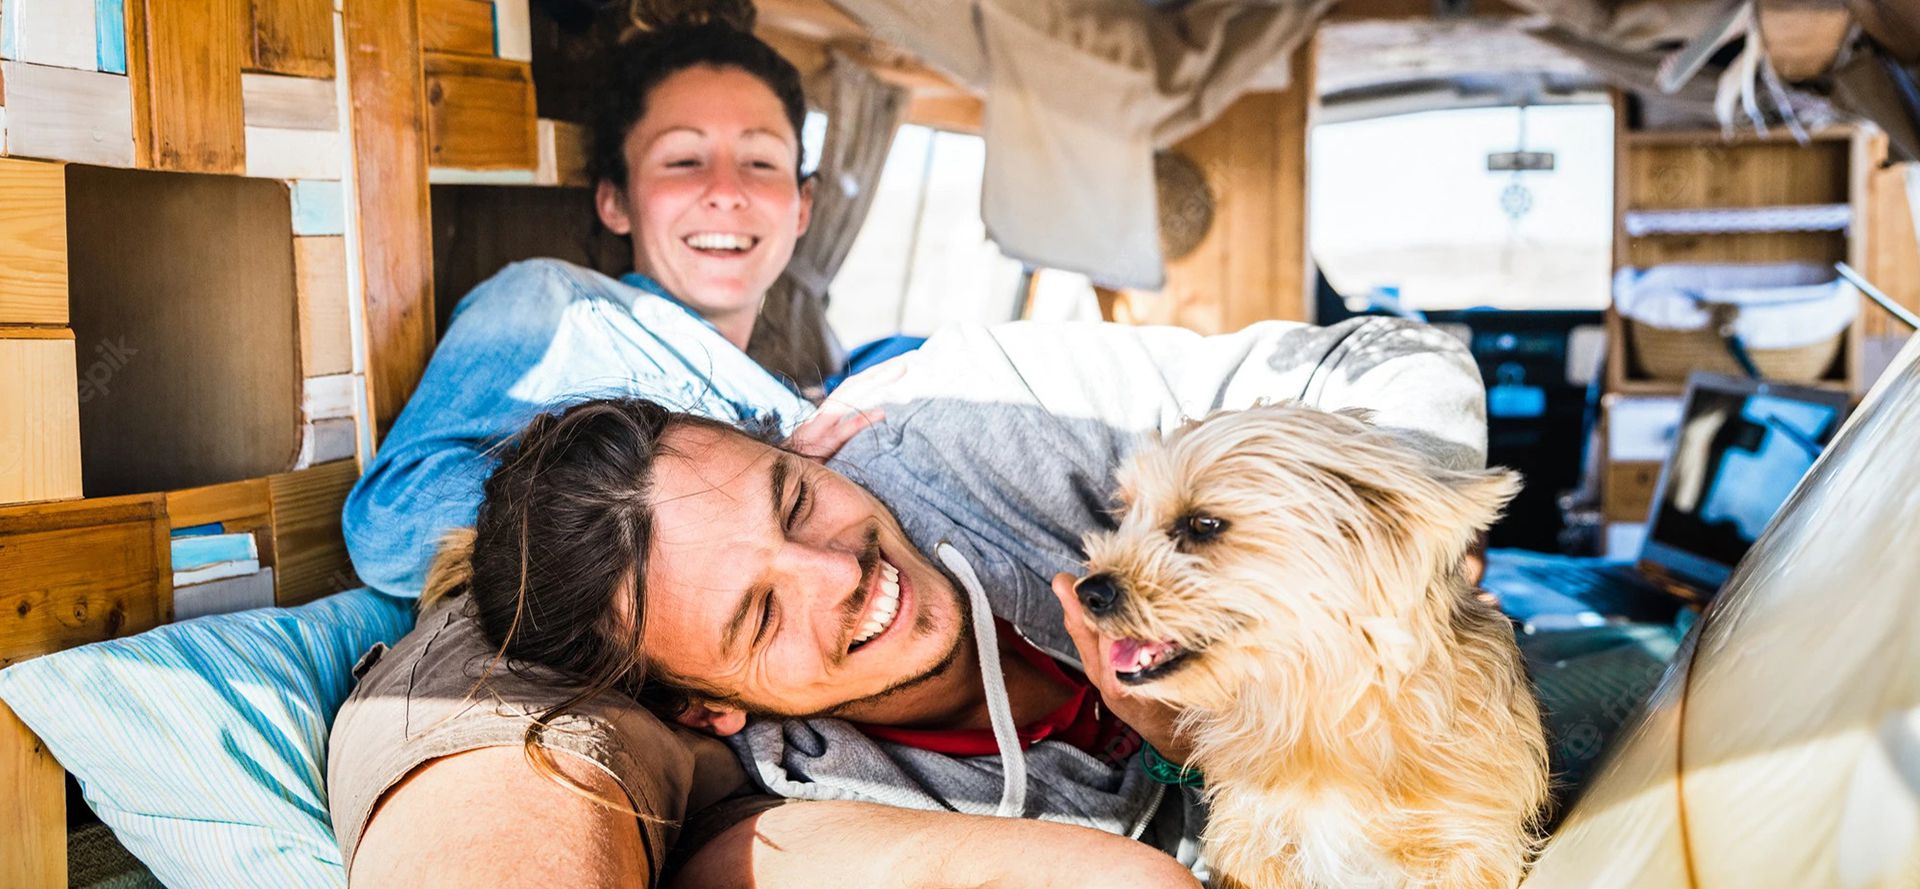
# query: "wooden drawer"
{"type": "Point", "coordinates": [79, 572]}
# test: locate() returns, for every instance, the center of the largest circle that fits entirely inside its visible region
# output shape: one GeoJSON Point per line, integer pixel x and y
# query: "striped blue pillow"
{"type": "Point", "coordinates": [204, 744]}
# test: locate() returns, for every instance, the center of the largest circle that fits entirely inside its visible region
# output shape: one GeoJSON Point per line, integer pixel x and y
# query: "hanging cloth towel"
{"type": "Point", "coordinates": [1079, 93]}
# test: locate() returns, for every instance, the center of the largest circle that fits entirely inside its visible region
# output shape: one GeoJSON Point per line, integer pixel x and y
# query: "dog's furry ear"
{"type": "Point", "coordinates": [1483, 493]}
{"type": "Point", "coordinates": [1449, 507]}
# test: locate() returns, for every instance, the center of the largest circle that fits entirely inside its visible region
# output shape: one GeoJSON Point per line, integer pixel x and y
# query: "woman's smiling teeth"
{"type": "Point", "coordinates": [721, 241]}
{"type": "Point", "coordinates": [886, 605]}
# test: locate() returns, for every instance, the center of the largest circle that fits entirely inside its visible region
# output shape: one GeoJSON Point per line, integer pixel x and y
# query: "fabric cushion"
{"type": "Point", "coordinates": [204, 744]}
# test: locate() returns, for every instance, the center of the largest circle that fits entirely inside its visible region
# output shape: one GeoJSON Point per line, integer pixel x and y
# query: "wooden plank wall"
{"type": "Point", "coordinates": [291, 37]}
{"type": "Point", "coordinates": [384, 72]}
{"type": "Point", "coordinates": [310, 556]}
{"type": "Point", "coordinates": [1253, 264]}
{"type": "Point", "coordinates": [33, 243]}
{"type": "Point", "coordinates": [33, 811]}
{"type": "Point", "coordinates": [188, 75]}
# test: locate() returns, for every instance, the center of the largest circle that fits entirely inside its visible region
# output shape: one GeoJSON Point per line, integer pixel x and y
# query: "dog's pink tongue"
{"type": "Point", "coordinates": [1127, 654]}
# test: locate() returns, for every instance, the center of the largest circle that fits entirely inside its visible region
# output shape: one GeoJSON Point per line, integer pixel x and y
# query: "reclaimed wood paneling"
{"type": "Point", "coordinates": [563, 154]}
{"type": "Point", "coordinates": [189, 75]}
{"type": "Point", "coordinates": [81, 571]}
{"type": "Point", "coordinates": [240, 505]}
{"type": "Point", "coordinates": [513, 31]}
{"type": "Point", "coordinates": [292, 37]}
{"type": "Point", "coordinates": [49, 32]}
{"type": "Point", "coordinates": [390, 188]}
{"type": "Point", "coordinates": [63, 114]}
{"type": "Point", "coordinates": [457, 26]}
{"type": "Point", "coordinates": [480, 113]}
{"type": "Point", "coordinates": [40, 432]}
{"type": "Point", "coordinates": [33, 242]}
{"type": "Point", "coordinates": [274, 153]}
{"type": "Point", "coordinates": [310, 555]}
{"type": "Point", "coordinates": [320, 284]}
{"type": "Point", "coordinates": [245, 505]}
{"type": "Point", "coordinates": [33, 811]}
{"type": "Point", "coordinates": [291, 103]}
{"type": "Point", "coordinates": [328, 397]}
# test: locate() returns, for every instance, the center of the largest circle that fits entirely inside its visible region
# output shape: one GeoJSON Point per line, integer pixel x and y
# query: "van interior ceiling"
{"type": "Point", "coordinates": [1680, 240]}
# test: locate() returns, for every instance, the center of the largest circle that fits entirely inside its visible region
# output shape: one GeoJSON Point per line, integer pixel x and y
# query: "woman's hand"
{"type": "Point", "coordinates": [830, 428]}
{"type": "Point", "coordinates": [839, 418]}
{"type": "Point", "coordinates": [1154, 720]}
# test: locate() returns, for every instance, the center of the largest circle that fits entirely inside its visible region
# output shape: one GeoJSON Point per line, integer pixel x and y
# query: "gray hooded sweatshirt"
{"type": "Point", "coordinates": [997, 454]}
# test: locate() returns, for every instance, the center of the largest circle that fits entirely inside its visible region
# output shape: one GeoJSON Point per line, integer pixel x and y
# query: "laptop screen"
{"type": "Point", "coordinates": [1741, 447]}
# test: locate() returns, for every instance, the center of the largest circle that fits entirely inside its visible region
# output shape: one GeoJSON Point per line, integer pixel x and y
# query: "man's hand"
{"type": "Point", "coordinates": [1152, 719]}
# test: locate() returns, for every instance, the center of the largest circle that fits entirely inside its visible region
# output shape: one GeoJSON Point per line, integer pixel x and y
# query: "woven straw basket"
{"type": "Point", "coordinates": [1672, 354]}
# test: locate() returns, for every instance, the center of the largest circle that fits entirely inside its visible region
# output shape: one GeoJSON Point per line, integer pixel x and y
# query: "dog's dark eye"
{"type": "Point", "coordinates": [1201, 528]}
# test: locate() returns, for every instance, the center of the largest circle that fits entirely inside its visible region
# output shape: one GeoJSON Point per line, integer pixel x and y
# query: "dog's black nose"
{"type": "Point", "coordinates": [1098, 593]}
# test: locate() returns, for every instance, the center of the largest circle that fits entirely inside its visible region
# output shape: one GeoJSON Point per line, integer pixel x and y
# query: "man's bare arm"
{"type": "Point", "coordinates": [486, 818]}
{"type": "Point", "coordinates": [848, 845]}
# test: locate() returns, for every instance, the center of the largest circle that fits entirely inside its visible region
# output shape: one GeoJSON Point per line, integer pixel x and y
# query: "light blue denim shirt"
{"type": "Point", "coordinates": [536, 336]}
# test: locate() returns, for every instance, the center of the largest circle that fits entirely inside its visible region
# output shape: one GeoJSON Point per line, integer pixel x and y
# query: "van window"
{"type": "Point", "coordinates": [922, 258]}
{"type": "Point", "coordinates": [1406, 205]}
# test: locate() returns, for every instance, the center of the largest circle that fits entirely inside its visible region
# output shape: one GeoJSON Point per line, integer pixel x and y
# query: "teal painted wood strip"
{"type": "Point", "coordinates": [10, 27]}
{"type": "Point", "coordinates": [319, 207]}
{"type": "Point", "coordinates": [110, 35]}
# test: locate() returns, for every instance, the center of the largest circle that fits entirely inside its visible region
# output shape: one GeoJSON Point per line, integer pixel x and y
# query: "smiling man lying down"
{"type": "Point", "coordinates": [884, 635]}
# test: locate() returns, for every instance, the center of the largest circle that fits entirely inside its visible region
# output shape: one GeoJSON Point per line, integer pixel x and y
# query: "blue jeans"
{"type": "Point", "coordinates": [538, 335]}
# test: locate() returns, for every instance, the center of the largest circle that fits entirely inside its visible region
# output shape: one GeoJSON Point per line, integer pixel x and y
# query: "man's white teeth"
{"type": "Point", "coordinates": [886, 604]}
{"type": "Point", "coordinates": [719, 241]}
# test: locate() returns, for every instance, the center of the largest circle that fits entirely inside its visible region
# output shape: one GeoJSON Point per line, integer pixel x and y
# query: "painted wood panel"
{"type": "Point", "coordinates": [50, 32]}
{"type": "Point", "coordinates": [320, 283]}
{"type": "Point", "coordinates": [479, 113]}
{"type": "Point", "coordinates": [188, 74]}
{"type": "Point", "coordinates": [457, 26]}
{"type": "Point", "coordinates": [384, 70]}
{"type": "Point", "coordinates": [274, 153]}
{"type": "Point", "coordinates": [40, 440]}
{"type": "Point", "coordinates": [33, 811]}
{"type": "Point", "coordinates": [292, 37]}
{"type": "Point", "coordinates": [513, 31]}
{"type": "Point", "coordinates": [63, 114]}
{"type": "Point", "coordinates": [329, 396]}
{"type": "Point", "coordinates": [80, 572]}
{"type": "Point", "coordinates": [319, 207]}
{"type": "Point", "coordinates": [33, 242]}
{"type": "Point", "coordinates": [310, 558]}
{"type": "Point", "coordinates": [291, 103]}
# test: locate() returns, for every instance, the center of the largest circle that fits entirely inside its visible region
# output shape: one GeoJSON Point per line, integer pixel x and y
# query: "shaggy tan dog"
{"type": "Point", "coordinates": [1292, 580]}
